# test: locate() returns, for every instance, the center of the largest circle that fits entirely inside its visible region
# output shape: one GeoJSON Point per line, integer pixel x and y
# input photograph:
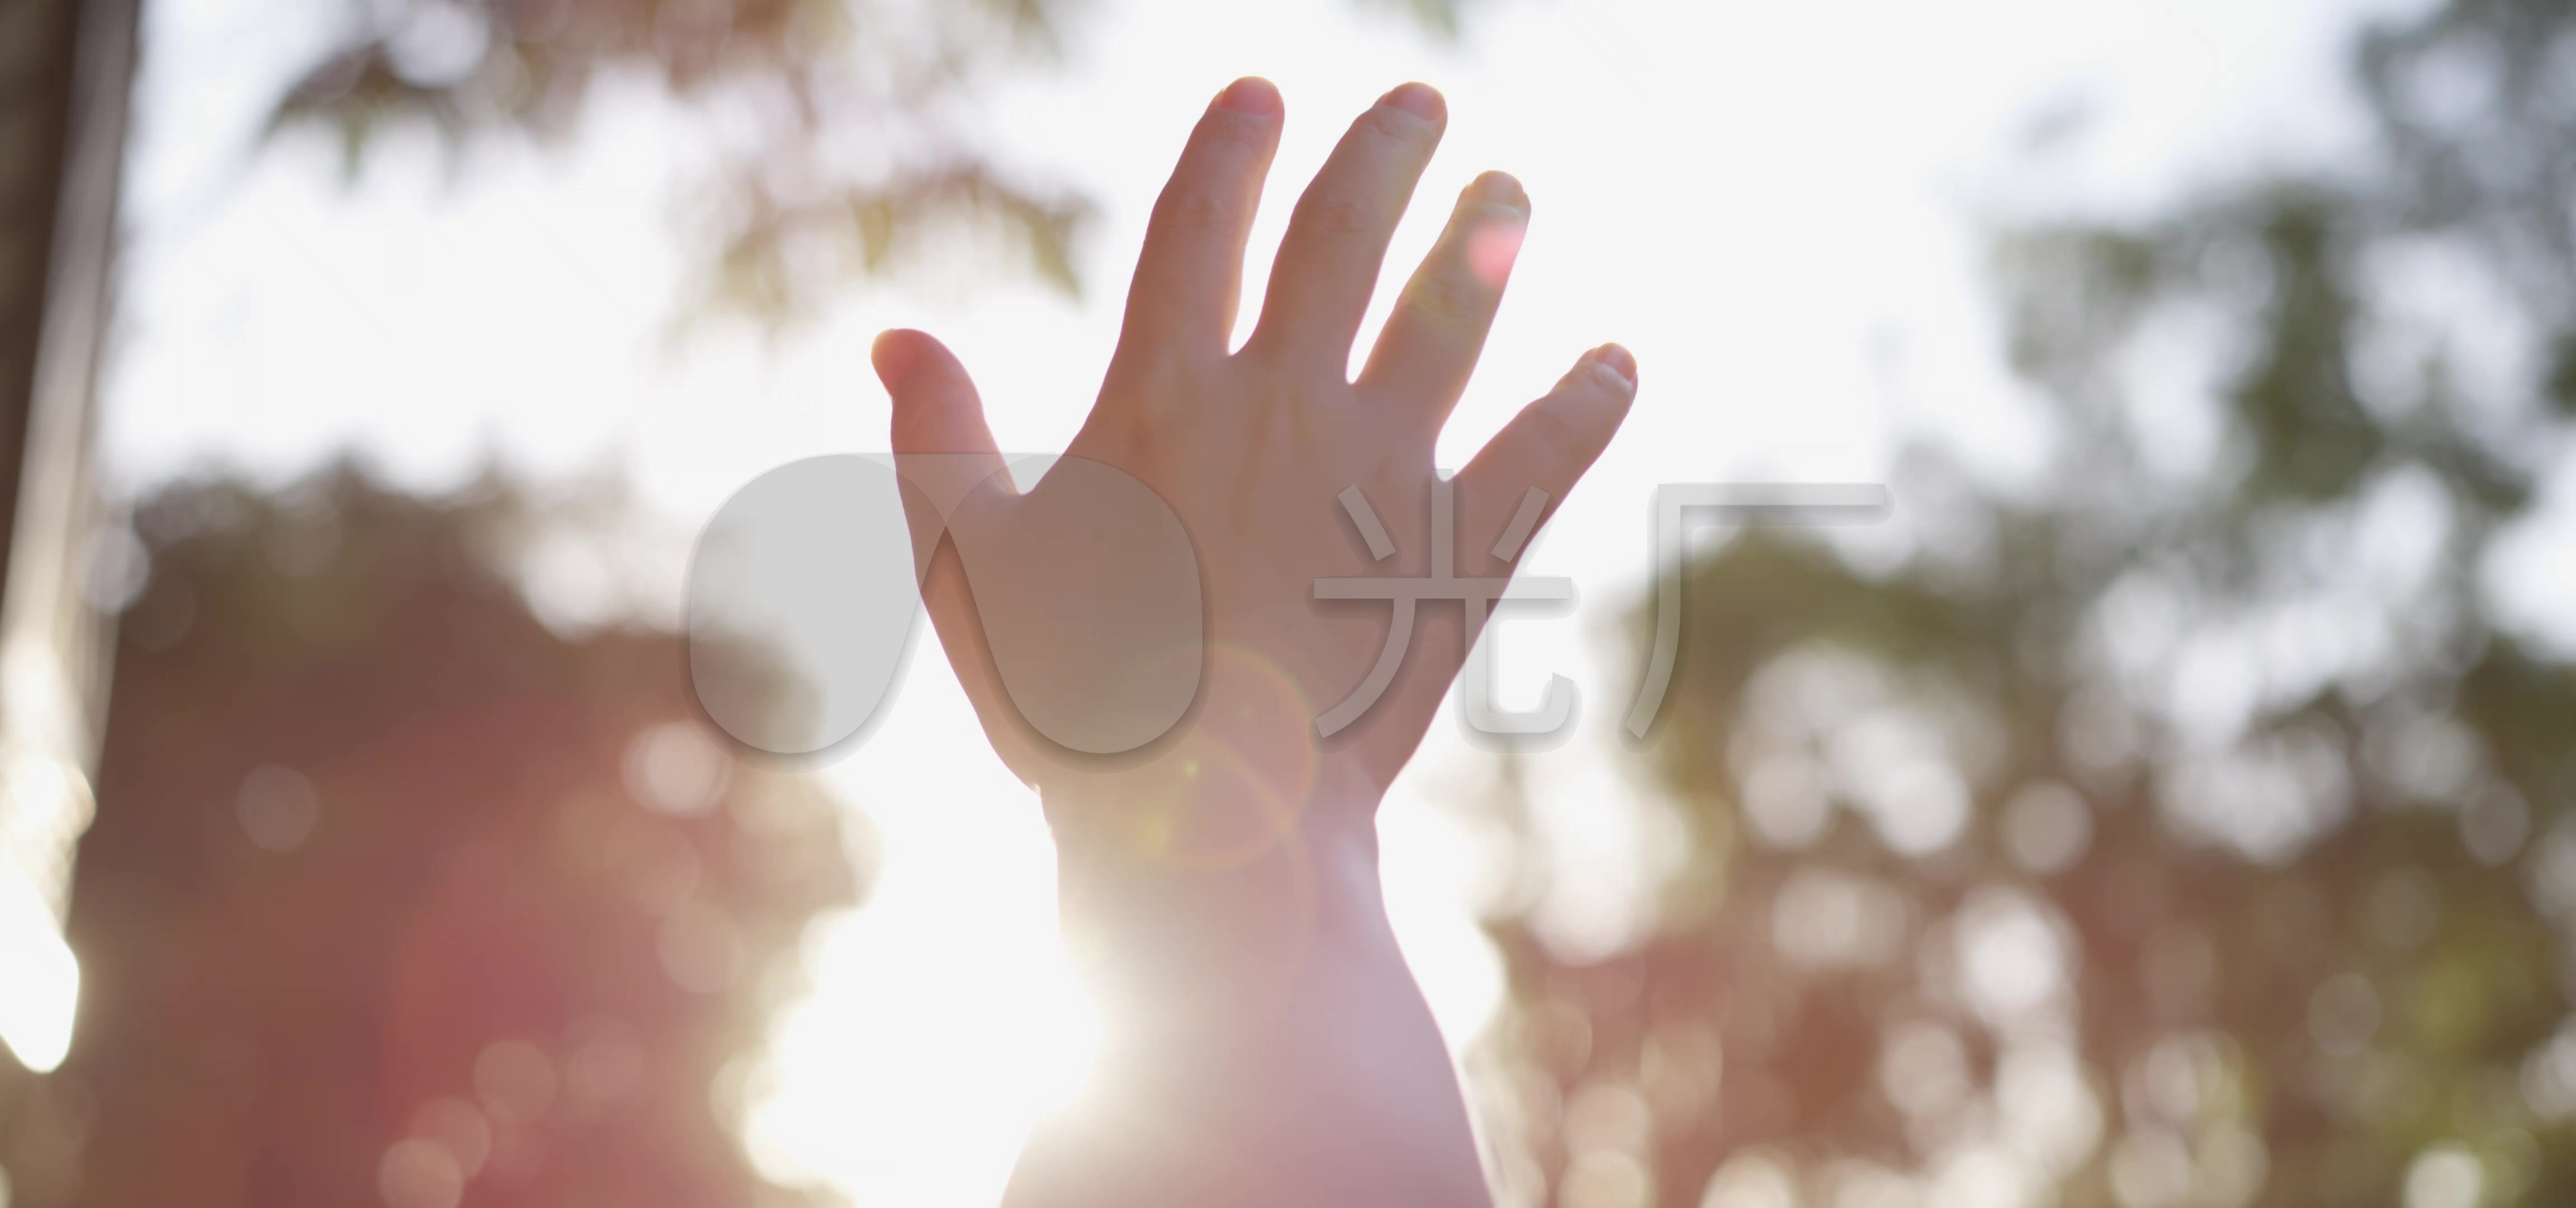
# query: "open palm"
{"type": "Point", "coordinates": [1252, 451]}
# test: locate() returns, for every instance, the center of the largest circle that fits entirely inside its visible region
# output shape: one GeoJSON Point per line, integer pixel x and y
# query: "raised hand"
{"type": "Point", "coordinates": [1267, 1045]}
{"type": "Point", "coordinates": [1249, 450]}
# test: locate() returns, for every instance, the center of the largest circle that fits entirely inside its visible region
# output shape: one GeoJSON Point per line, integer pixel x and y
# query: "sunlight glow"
{"type": "Point", "coordinates": [944, 1020]}
{"type": "Point", "coordinates": [39, 998]}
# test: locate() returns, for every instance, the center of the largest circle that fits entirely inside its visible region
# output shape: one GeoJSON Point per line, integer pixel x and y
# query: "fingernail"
{"type": "Point", "coordinates": [1500, 188]}
{"type": "Point", "coordinates": [1420, 100]}
{"type": "Point", "coordinates": [1252, 95]}
{"type": "Point", "coordinates": [1621, 365]}
{"type": "Point", "coordinates": [894, 354]}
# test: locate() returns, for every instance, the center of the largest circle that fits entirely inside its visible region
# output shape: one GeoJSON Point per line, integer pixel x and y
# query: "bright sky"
{"type": "Point", "coordinates": [1777, 206]}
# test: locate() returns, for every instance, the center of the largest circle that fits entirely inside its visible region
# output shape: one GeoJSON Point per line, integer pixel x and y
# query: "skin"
{"type": "Point", "coordinates": [1267, 1045]}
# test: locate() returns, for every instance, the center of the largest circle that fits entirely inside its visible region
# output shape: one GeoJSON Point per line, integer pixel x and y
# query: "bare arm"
{"type": "Point", "coordinates": [1220, 883]}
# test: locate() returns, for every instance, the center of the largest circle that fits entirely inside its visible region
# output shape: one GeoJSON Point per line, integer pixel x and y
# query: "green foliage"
{"type": "Point", "coordinates": [836, 124]}
{"type": "Point", "coordinates": [839, 125]}
{"type": "Point", "coordinates": [1443, 17]}
{"type": "Point", "coordinates": [2262, 884]}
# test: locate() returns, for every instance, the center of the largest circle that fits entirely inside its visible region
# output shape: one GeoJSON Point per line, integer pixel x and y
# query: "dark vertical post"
{"type": "Point", "coordinates": [66, 71]}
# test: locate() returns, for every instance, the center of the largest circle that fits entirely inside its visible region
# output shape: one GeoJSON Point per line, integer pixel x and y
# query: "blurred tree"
{"type": "Point", "coordinates": [2191, 830]}
{"type": "Point", "coordinates": [840, 126]}
{"type": "Point", "coordinates": [397, 896]}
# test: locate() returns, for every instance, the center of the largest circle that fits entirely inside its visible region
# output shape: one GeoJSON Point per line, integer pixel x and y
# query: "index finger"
{"type": "Point", "coordinates": [1189, 277]}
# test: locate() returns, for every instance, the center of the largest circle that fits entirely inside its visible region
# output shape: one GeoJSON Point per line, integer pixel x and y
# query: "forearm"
{"type": "Point", "coordinates": [1265, 1043]}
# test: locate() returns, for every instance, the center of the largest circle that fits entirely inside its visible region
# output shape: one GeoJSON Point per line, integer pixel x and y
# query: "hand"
{"type": "Point", "coordinates": [1266, 1046]}
{"type": "Point", "coordinates": [1249, 450]}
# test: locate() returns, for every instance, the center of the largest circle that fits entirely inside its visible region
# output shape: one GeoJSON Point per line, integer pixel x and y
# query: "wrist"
{"type": "Point", "coordinates": [1175, 929]}
{"type": "Point", "coordinates": [1204, 805]}
{"type": "Point", "coordinates": [1140, 886]}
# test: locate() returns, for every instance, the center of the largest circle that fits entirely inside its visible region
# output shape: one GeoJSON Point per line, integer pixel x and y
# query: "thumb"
{"type": "Point", "coordinates": [942, 448]}
{"type": "Point", "coordinates": [936, 409]}
{"type": "Point", "coordinates": [943, 453]}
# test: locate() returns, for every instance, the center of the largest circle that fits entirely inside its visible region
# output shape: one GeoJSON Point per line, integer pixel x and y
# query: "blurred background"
{"type": "Point", "coordinates": [2172, 804]}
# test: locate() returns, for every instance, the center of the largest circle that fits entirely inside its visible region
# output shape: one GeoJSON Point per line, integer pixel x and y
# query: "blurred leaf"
{"type": "Point", "coordinates": [2165, 835]}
